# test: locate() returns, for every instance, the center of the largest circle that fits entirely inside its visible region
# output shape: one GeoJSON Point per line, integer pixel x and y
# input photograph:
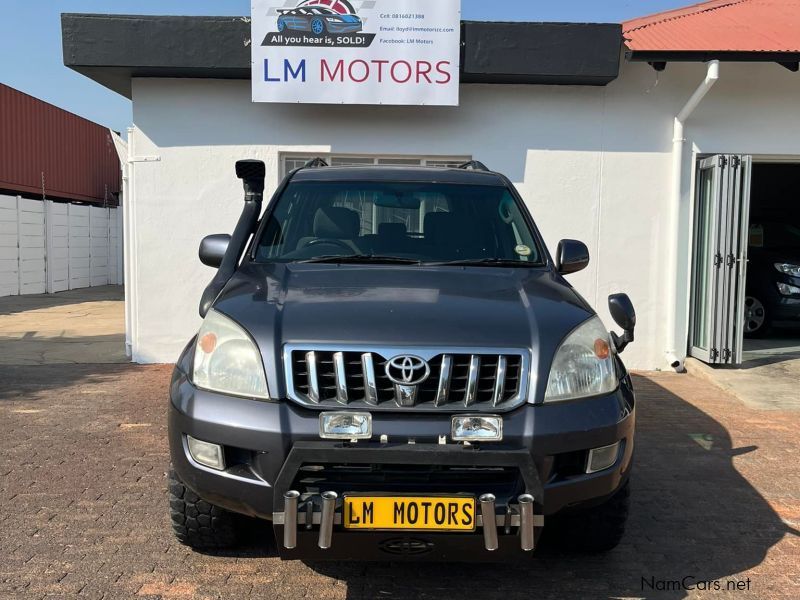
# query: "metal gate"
{"type": "Point", "coordinates": [719, 263]}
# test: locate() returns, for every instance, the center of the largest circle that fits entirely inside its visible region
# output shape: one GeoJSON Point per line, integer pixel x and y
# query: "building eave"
{"type": "Point", "coordinates": [659, 59]}
{"type": "Point", "coordinates": [113, 49]}
{"type": "Point", "coordinates": [708, 55]}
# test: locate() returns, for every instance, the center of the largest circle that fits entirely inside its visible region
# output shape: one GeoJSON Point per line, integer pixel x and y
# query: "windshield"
{"type": "Point", "coordinates": [418, 222]}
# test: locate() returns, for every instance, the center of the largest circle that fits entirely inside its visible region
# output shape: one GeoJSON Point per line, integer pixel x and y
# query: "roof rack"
{"type": "Point", "coordinates": [474, 165]}
{"type": "Point", "coordinates": [315, 163]}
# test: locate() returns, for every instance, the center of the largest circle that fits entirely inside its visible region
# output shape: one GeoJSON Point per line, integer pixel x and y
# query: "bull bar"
{"type": "Point", "coordinates": [323, 510]}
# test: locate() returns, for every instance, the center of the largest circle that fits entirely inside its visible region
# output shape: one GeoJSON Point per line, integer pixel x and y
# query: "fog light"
{"type": "Point", "coordinates": [476, 428]}
{"type": "Point", "coordinates": [788, 290]}
{"type": "Point", "coordinates": [602, 458]}
{"type": "Point", "coordinates": [206, 453]}
{"type": "Point", "coordinates": [345, 426]}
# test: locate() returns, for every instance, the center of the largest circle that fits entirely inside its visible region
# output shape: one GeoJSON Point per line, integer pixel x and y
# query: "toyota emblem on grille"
{"type": "Point", "coordinates": [407, 369]}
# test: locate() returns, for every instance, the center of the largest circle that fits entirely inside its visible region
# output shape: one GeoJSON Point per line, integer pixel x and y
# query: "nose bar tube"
{"type": "Point", "coordinates": [290, 519]}
{"type": "Point", "coordinates": [326, 523]}
{"type": "Point", "coordinates": [526, 539]}
{"type": "Point", "coordinates": [489, 521]}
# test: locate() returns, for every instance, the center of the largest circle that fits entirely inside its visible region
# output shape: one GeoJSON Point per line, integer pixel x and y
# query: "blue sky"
{"type": "Point", "coordinates": [30, 39]}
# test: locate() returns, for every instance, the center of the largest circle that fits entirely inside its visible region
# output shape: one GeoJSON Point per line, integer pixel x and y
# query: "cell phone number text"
{"type": "Point", "coordinates": [415, 16]}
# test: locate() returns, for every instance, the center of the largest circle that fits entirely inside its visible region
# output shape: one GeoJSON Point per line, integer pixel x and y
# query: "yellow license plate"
{"type": "Point", "coordinates": [428, 513]}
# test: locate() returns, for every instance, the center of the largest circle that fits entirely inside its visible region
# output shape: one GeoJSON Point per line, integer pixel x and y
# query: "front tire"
{"type": "Point", "coordinates": [757, 320]}
{"type": "Point", "coordinates": [594, 530]}
{"type": "Point", "coordinates": [197, 523]}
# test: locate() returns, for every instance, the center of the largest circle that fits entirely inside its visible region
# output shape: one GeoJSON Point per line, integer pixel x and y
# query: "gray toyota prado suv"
{"type": "Point", "coordinates": [392, 366]}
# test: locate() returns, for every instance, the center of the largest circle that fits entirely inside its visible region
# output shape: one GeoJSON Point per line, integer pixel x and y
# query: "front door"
{"type": "Point", "coordinates": [719, 262]}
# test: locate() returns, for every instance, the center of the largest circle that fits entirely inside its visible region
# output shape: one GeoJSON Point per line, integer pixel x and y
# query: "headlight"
{"type": "Point", "coordinates": [227, 360]}
{"type": "Point", "coordinates": [583, 365]}
{"type": "Point", "coordinates": [331, 19]}
{"type": "Point", "coordinates": [788, 269]}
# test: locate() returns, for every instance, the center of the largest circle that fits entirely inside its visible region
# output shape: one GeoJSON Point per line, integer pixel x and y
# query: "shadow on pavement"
{"type": "Point", "coordinates": [70, 348]}
{"type": "Point", "coordinates": [693, 516]}
{"type": "Point", "coordinates": [29, 382]}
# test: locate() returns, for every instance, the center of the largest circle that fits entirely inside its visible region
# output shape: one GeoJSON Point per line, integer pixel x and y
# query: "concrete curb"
{"type": "Point", "coordinates": [703, 371]}
{"type": "Point", "coordinates": [758, 390]}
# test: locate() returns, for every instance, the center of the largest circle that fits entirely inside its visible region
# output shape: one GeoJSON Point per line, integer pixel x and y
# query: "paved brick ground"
{"type": "Point", "coordinates": [83, 505]}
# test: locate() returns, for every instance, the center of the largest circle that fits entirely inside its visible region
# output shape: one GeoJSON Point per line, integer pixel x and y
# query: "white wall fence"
{"type": "Point", "coordinates": [48, 247]}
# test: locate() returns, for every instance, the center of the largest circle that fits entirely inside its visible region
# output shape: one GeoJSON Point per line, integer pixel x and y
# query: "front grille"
{"type": "Point", "coordinates": [481, 381]}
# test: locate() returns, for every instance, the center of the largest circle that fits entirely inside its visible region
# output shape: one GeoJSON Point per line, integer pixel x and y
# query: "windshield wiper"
{"type": "Point", "coordinates": [488, 262]}
{"type": "Point", "coordinates": [361, 259]}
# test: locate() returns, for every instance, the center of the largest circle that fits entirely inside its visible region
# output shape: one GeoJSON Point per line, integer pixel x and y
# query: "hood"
{"type": "Point", "coordinates": [380, 305]}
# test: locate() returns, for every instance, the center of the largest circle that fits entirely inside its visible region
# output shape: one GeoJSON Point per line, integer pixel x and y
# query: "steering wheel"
{"type": "Point", "coordinates": [329, 241]}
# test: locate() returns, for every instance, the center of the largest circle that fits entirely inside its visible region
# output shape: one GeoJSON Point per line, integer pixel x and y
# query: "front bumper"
{"type": "Point", "coordinates": [266, 443]}
{"type": "Point", "coordinates": [786, 309]}
{"type": "Point", "coordinates": [780, 308]}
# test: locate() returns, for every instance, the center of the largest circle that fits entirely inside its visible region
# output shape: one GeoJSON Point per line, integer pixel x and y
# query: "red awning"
{"type": "Point", "coordinates": [719, 26]}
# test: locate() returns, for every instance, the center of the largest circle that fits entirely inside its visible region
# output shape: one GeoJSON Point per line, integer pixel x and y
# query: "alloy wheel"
{"type": "Point", "coordinates": [754, 314]}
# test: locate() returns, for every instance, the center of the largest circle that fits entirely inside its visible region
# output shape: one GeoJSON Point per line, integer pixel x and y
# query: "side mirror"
{"type": "Point", "coordinates": [213, 248]}
{"type": "Point", "coordinates": [624, 315]}
{"type": "Point", "coordinates": [572, 256]}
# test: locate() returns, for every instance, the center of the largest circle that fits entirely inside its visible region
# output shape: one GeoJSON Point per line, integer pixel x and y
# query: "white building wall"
{"type": "Point", "coordinates": [592, 163]}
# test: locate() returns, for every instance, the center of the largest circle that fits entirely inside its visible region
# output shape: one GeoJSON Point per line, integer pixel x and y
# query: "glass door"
{"type": "Point", "coordinates": [739, 169]}
{"type": "Point", "coordinates": [719, 263]}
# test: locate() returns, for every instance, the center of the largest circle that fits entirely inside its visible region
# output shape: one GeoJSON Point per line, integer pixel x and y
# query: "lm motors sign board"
{"type": "Point", "coordinates": [356, 51]}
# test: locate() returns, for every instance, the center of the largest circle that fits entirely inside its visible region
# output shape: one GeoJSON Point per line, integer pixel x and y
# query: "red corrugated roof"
{"type": "Point", "coordinates": [719, 26]}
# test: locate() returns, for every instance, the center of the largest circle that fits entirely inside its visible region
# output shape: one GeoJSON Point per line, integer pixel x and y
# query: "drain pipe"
{"type": "Point", "coordinates": [674, 357]}
{"type": "Point", "coordinates": [124, 155]}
